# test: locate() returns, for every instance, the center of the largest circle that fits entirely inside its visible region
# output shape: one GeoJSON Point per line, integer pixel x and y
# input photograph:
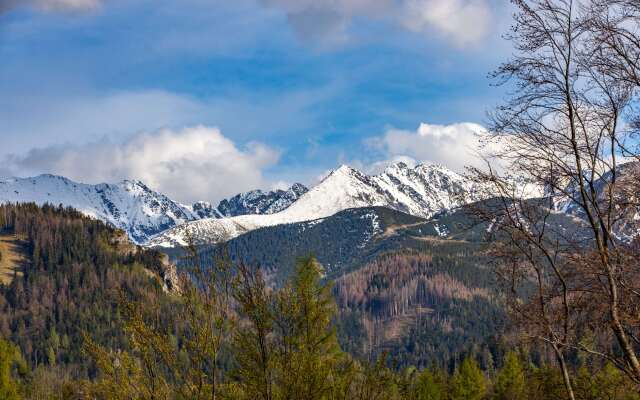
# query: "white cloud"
{"type": "Point", "coordinates": [197, 163]}
{"type": "Point", "coordinates": [52, 5]}
{"type": "Point", "coordinates": [464, 22]}
{"type": "Point", "coordinates": [454, 146]}
{"type": "Point", "coordinates": [42, 119]}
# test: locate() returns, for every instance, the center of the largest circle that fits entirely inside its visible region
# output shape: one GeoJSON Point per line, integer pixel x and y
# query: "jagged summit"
{"type": "Point", "coordinates": [344, 169]}
{"type": "Point", "coordinates": [204, 209]}
{"type": "Point", "coordinates": [421, 191]}
{"type": "Point", "coordinates": [259, 202]}
{"type": "Point", "coordinates": [129, 205]}
{"type": "Point", "coordinates": [153, 219]}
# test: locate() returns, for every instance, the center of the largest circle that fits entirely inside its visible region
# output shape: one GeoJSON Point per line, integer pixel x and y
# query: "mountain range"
{"type": "Point", "coordinates": [421, 191]}
{"type": "Point", "coordinates": [135, 208]}
{"type": "Point", "coordinates": [407, 259]}
{"type": "Point", "coordinates": [153, 219]}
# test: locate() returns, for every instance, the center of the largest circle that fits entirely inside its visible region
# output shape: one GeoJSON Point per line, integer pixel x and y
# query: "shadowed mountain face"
{"type": "Point", "coordinates": [340, 241]}
{"type": "Point", "coordinates": [259, 202]}
{"type": "Point", "coordinates": [351, 238]}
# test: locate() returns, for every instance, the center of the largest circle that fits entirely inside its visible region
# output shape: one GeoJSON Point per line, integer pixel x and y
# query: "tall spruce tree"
{"type": "Point", "coordinates": [9, 357]}
{"type": "Point", "coordinates": [510, 382]}
{"type": "Point", "coordinates": [253, 340]}
{"type": "Point", "coordinates": [307, 347]}
{"type": "Point", "coordinates": [468, 382]}
{"type": "Point", "coordinates": [431, 385]}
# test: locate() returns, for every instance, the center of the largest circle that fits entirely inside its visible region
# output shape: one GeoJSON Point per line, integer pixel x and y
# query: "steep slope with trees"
{"type": "Point", "coordinates": [78, 266]}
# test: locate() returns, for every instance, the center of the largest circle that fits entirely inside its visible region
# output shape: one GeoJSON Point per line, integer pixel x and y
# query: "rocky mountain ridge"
{"type": "Point", "coordinates": [421, 191]}
{"type": "Point", "coordinates": [131, 205]}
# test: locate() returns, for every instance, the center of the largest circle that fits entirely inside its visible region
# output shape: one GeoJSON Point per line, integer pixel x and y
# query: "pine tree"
{"type": "Point", "coordinates": [546, 382]}
{"type": "Point", "coordinates": [135, 375]}
{"type": "Point", "coordinates": [510, 381]}
{"type": "Point", "coordinates": [206, 297]}
{"type": "Point", "coordinates": [54, 345]}
{"type": "Point", "coordinates": [253, 338]}
{"type": "Point", "coordinates": [468, 382]}
{"type": "Point", "coordinates": [431, 385]}
{"type": "Point", "coordinates": [9, 357]}
{"type": "Point", "coordinates": [307, 348]}
{"type": "Point", "coordinates": [607, 383]}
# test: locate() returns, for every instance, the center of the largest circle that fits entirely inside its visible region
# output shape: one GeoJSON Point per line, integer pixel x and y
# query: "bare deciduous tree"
{"type": "Point", "coordinates": [574, 77]}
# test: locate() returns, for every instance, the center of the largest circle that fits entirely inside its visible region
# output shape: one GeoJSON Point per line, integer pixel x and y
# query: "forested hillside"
{"type": "Point", "coordinates": [88, 315]}
{"type": "Point", "coordinates": [76, 269]}
{"type": "Point", "coordinates": [340, 242]}
{"type": "Point", "coordinates": [432, 306]}
{"type": "Point", "coordinates": [420, 290]}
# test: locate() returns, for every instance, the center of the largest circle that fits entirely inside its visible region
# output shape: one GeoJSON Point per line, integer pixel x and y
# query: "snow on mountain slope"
{"type": "Point", "coordinates": [208, 230]}
{"type": "Point", "coordinates": [342, 189]}
{"type": "Point", "coordinates": [155, 220]}
{"type": "Point", "coordinates": [421, 191]}
{"type": "Point", "coordinates": [426, 189]}
{"type": "Point", "coordinates": [128, 205]}
{"type": "Point", "coordinates": [626, 192]}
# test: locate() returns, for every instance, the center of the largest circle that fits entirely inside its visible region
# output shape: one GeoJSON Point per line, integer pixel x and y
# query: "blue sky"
{"type": "Point", "coordinates": [242, 94]}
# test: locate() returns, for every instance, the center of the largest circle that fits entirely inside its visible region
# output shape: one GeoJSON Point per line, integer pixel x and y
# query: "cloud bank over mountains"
{"type": "Point", "coordinates": [454, 146]}
{"type": "Point", "coordinates": [197, 163]}
{"type": "Point", "coordinates": [200, 163]}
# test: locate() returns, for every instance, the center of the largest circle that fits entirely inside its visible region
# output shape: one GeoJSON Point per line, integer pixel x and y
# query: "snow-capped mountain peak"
{"type": "Point", "coordinates": [129, 205]}
{"type": "Point", "coordinates": [154, 219]}
{"type": "Point", "coordinates": [421, 191]}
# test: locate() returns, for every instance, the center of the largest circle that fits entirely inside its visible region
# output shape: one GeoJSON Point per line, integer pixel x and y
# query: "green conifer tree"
{"type": "Point", "coordinates": [510, 381]}
{"type": "Point", "coordinates": [253, 338]}
{"type": "Point", "coordinates": [307, 348]}
{"type": "Point", "coordinates": [468, 382]}
{"type": "Point", "coordinates": [9, 356]}
{"type": "Point", "coordinates": [431, 385]}
{"type": "Point", "coordinates": [606, 383]}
